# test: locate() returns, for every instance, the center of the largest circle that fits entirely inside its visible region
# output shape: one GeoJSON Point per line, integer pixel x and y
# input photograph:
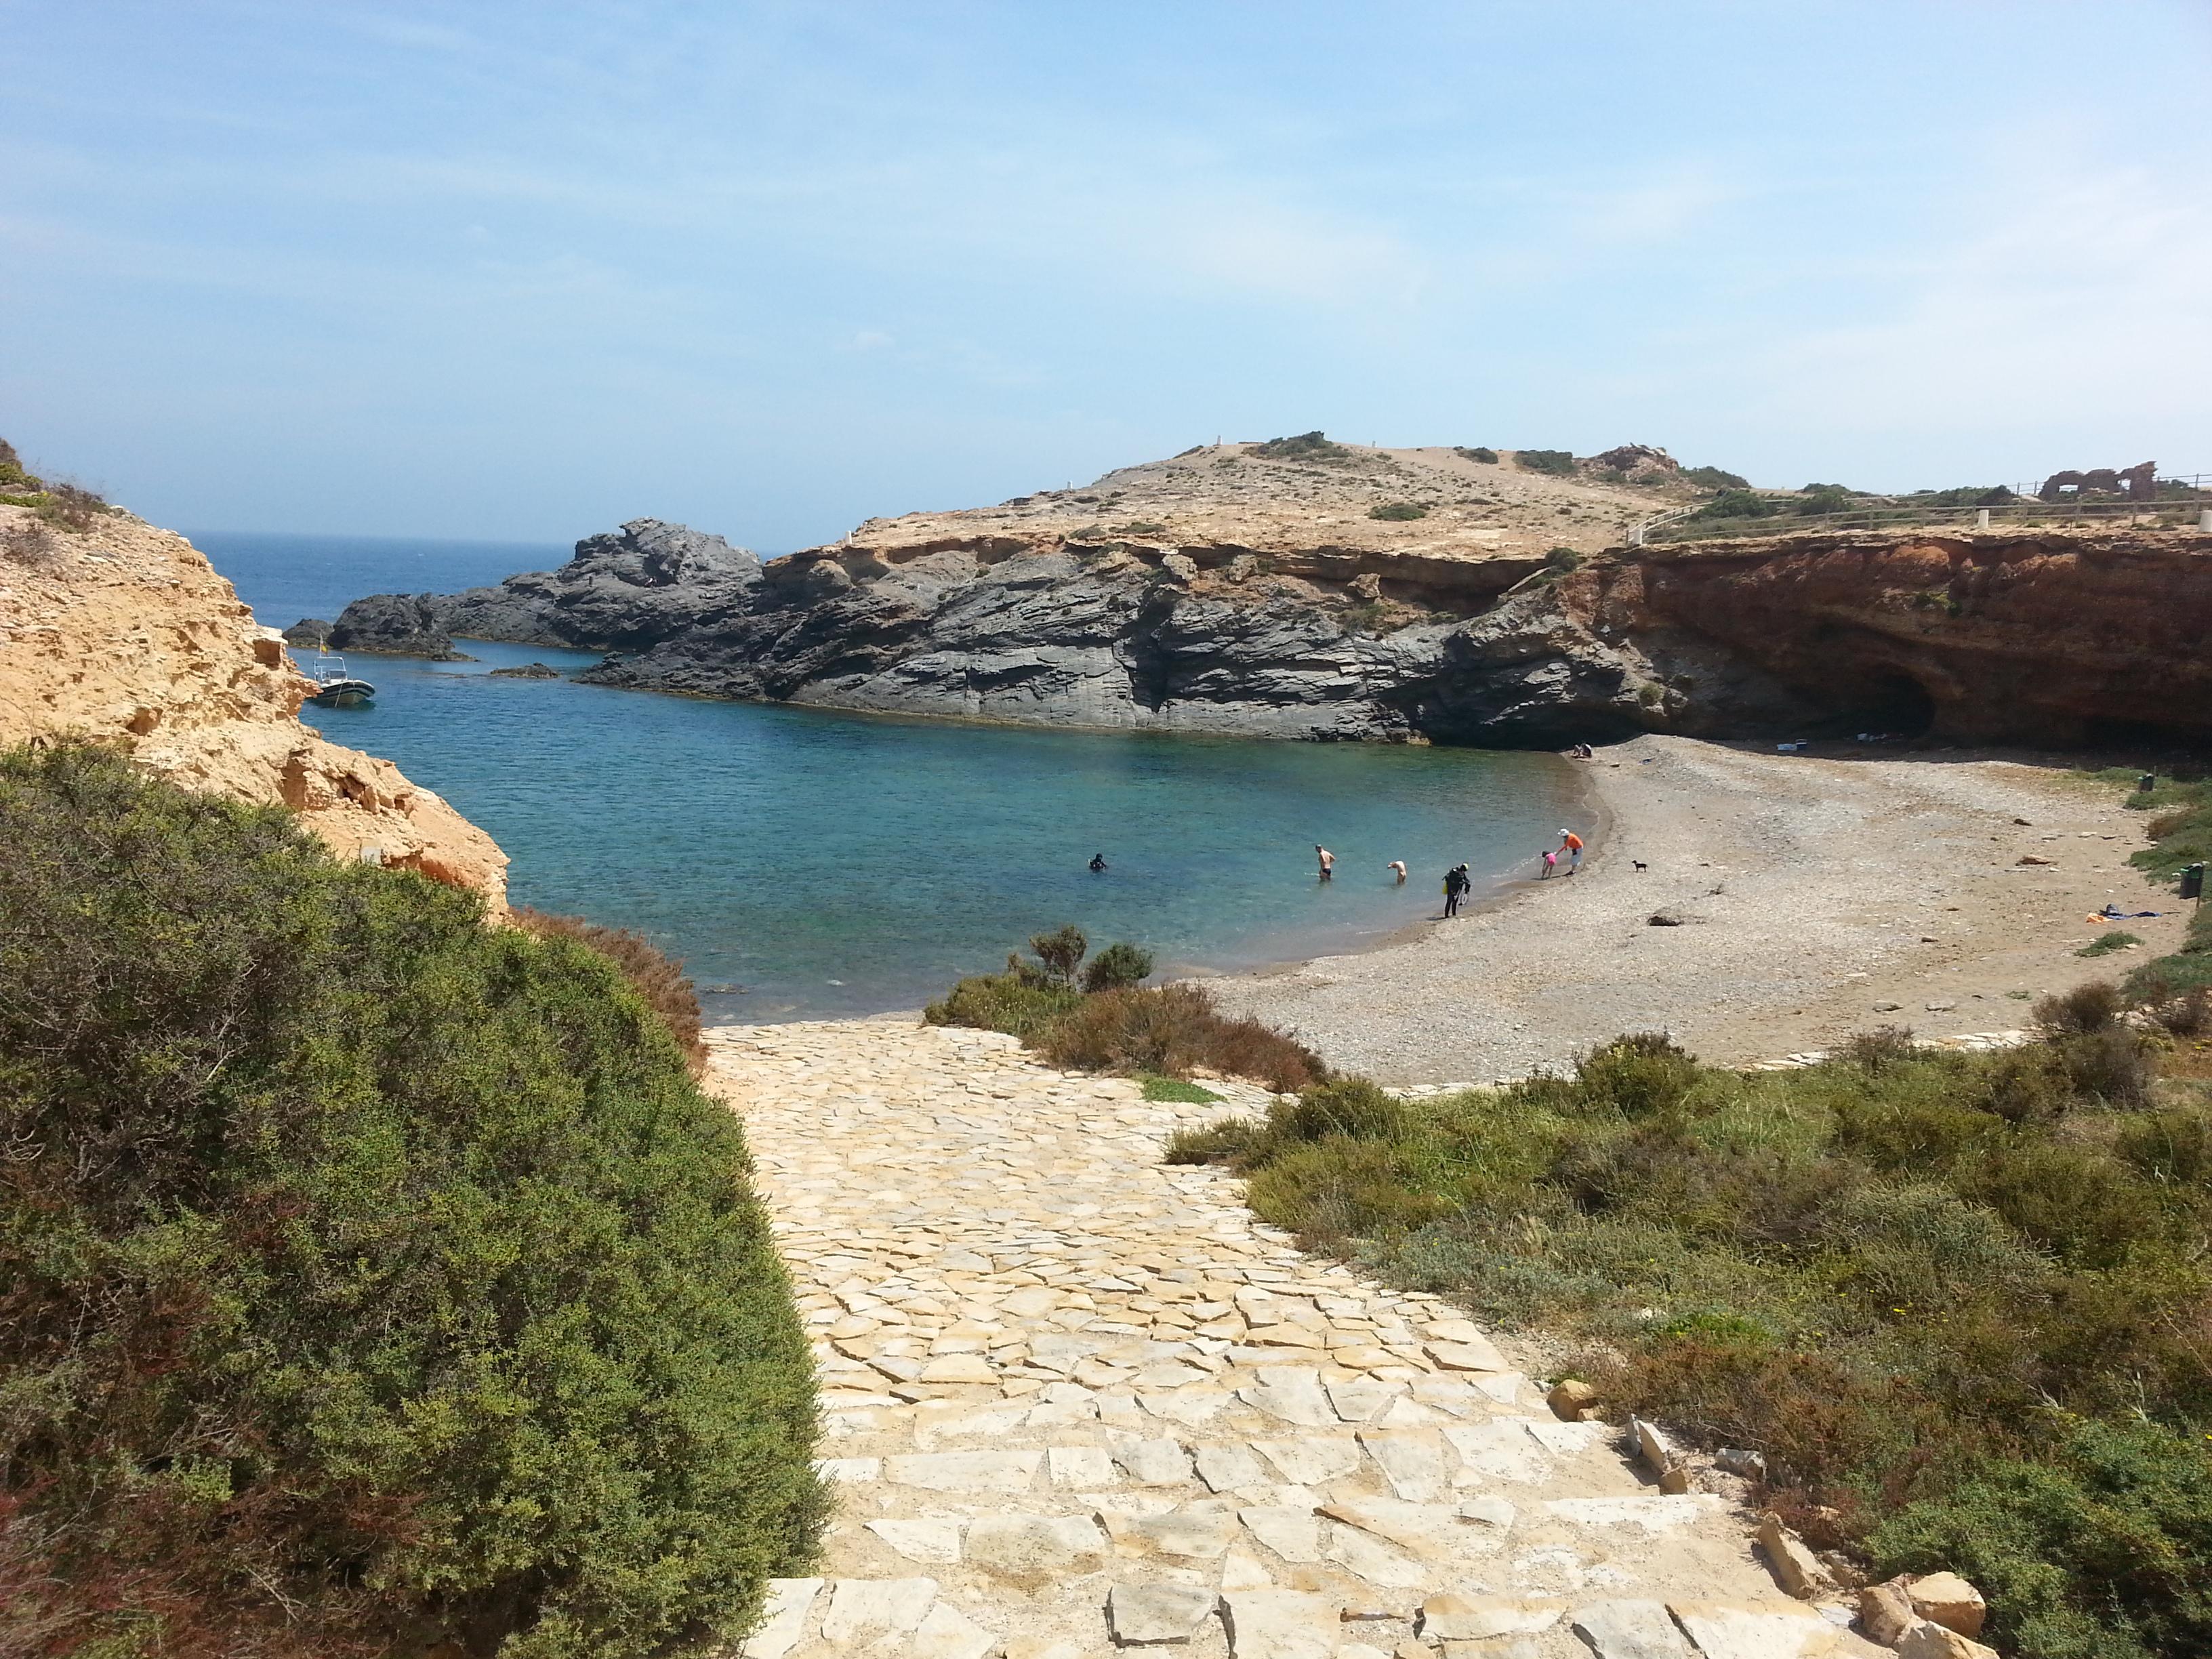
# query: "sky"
{"type": "Point", "coordinates": [522, 272]}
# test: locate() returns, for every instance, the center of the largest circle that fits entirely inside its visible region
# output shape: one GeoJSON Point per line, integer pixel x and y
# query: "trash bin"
{"type": "Point", "coordinates": [2147, 782]}
{"type": "Point", "coordinates": [2192, 882]}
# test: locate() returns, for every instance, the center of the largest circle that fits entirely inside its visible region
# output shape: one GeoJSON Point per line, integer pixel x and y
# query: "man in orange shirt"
{"type": "Point", "coordinates": [1571, 845]}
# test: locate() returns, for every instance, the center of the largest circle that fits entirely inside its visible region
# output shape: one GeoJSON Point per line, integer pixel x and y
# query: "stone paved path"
{"type": "Point", "coordinates": [1078, 1400]}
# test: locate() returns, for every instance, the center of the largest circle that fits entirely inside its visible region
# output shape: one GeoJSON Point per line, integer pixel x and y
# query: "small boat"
{"type": "Point", "coordinates": [334, 687]}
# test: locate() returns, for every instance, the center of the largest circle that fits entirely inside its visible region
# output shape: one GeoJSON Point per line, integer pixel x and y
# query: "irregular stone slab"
{"type": "Point", "coordinates": [1363, 1400]}
{"type": "Point", "coordinates": [1926, 1640]}
{"type": "Point", "coordinates": [948, 1633]}
{"type": "Point", "coordinates": [864, 1610]}
{"type": "Point", "coordinates": [1035, 1547]}
{"type": "Point", "coordinates": [1567, 1438]}
{"type": "Point", "coordinates": [1286, 1336]}
{"type": "Point", "coordinates": [1227, 1468]}
{"type": "Point", "coordinates": [1412, 1460]}
{"type": "Point", "coordinates": [789, 1601]}
{"type": "Point", "coordinates": [1200, 1534]}
{"type": "Point", "coordinates": [1627, 1629]}
{"type": "Point", "coordinates": [848, 1468]}
{"type": "Point", "coordinates": [1292, 1393]}
{"type": "Point", "coordinates": [1242, 1569]}
{"type": "Point", "coordinates": [1367, 1556]}
{"type": "Point", "coordinates": [1726, 1632]}
{"type": "Point", "coordinates": [1085, 1467]}
{"type": "Point", "coordinates": [1796, 1569]}
{"type": "Point", "coordinates": [1465, 1332]}
{"type": "Point", "coordinates": [968, 1471]}
{"type": "Point", "coordinates": [958, 1368]}
{"type": "Point", "coordinates": [1497, 1451]}
{"type": "Point", "coordinates": [1487, 1511]}
{"type": "Point", "coordinates": [1465, 1356]}
{"type": "Point", "coordinates": [1309, 1460]}
{"type": "Point", "coordinates": [1189, 1407]}
{"type": "Point", "coordinates": [1403, 1413]}
{"type": "Point", "coordinates": [1504, 1387]}
{"type": "Point", "coordinates": [1293, 1534]}
{"type": "Point", "coordinates": [1423, 1528]}
{"type": "Point", "coordinates": [1643, 1511]}
{"type": "Point", "coordinates": [1472, 1618]}
{"type": "Point", "coordinates": [937, 1542]}
{"type": "Point", "coordinates": [1278, 1624]}
{"type": "Point", "coordinates": [1947, 1599]}
{"type": "Point", "coordinates": [1045, 1647]}
{"type": "Point", "coordinates": [1155, 1463]}
{"type": "Point", "coordinates": [1156, 1613]}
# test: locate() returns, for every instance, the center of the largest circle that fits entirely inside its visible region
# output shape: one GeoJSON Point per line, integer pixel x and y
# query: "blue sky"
{"type": "Point", "coordinates": [519, 272]}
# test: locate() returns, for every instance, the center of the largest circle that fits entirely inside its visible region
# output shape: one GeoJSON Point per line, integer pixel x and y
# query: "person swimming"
{"type": "Point", "coordinates": [1097, 862]}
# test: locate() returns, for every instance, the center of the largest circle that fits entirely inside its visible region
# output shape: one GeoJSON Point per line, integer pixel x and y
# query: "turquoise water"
{"type": "Point", "coordinates": [806, 864]}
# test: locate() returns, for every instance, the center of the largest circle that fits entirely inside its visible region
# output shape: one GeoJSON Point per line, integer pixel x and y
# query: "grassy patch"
{"type": "Point", "coordinates": [1398, 512]}
{"type": "Point", "coordinates": [1554, 463]}
{"type": "Point", "coordinates": [1115, 1023]}
{"type": "Point", "coordinates": [1960, 1302]}
{"type": "Point", "coordinates": [1176, 1089]}
{"type": "Point", "coordinates": [2104, 943]}
{"type": "Point", "coordinates": [2177, 824]}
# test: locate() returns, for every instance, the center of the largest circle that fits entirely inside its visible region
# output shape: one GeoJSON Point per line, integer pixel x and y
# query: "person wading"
{"type": "Point", "coordinates": [1328, 859]}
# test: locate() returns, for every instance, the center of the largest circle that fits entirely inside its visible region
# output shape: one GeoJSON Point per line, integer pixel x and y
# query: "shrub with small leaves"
{"type": "Point", "coordinates": [1117, 967]}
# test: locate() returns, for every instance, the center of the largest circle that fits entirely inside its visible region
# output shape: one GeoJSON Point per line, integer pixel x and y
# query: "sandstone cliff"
{"type": "Point", "coordinates": [1233, 591]}
{"type": "Point", "coordinates": [124, 632]}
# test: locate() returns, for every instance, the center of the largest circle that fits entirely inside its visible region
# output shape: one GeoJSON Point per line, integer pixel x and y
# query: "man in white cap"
{"type": "Point", "coordinates": [1571, 845]}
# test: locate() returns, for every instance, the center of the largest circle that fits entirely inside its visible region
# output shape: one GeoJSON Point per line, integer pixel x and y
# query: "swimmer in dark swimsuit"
{"type": "Point", "coordinates": [1097, 862]}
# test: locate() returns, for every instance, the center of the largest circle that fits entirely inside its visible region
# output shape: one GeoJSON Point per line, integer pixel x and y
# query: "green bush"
{"type": "Point", "coordinates": [1712, 478]}
{"type": "Point", "coordinates": [1171, 1030]}
{"type": "Point", "coordinates": [1739, 504]}
{"type": "Point", "coordinates": [1061, 951]}
{"type": "Point", "coordinates": [1003, 1002]}
{"type": "Point", "coordinates": [1398, 512]}
{"type": "Point", "coordinates": [2104, 943]}
{"type": "Point", "coordinates": [1557, 463]}
{"type": "Point", "coordinates": [2100, 1549]}
{"type": "Point", "coordinates": [1563, 560]}
{"type": "Point", "coordinates": [1116, 968]}
{"type": "Point", "coordinates": [1481, 453]}
{"type": "Point", "coordinates": [1306, 447]}
{"type": "Point", "coordinates": [367, 1275]}
{"type": "Point", "coordinates": [1174, 1088]}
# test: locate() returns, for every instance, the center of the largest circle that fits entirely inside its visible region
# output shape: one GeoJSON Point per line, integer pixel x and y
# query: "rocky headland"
{"type": "Point", "coordinates": [125, 633]}
{"type": "Point", "coordinates": [1306, 589]}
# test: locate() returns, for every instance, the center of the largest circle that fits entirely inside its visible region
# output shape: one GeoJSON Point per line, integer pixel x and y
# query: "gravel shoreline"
{"type": "Point", "coordinates": [1819, 894]}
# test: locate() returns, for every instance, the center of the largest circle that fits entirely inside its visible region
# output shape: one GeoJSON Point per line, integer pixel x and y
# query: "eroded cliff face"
{"type": "Point", "coordinates": [124, 632]}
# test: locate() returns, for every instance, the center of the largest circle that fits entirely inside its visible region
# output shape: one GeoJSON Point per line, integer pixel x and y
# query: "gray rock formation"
{"type": "Point", "coordinates": [309, 631]}
{"type": "Point", "coordinates": [623, 590]}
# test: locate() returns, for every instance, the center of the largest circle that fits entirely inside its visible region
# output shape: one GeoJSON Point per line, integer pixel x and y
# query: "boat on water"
{"type": "Point", "coordinates": [335, 688]}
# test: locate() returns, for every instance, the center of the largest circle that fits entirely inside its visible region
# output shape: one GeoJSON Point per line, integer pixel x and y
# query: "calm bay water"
{"type": "Point", "coordinates": [808, 864]}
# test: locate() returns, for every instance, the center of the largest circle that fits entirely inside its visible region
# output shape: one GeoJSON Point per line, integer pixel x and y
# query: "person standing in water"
{"type": "Point", "coordinates": [1327, 860]}
{"type": "Point", "coordinates": [1398, 867]}
{"type": "Point", "coordinates": [1097, 862]}
{"type": "Point", "coordinates": [1551, 863]}
{"type": "Point", "coordinates": [1571, 845]}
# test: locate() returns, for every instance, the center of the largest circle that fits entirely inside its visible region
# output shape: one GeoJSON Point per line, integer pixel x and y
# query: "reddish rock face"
{"type": "Point", "coordinates": [2025, 638]}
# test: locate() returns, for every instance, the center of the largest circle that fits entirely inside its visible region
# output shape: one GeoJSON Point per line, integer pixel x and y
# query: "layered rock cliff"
{"type": "Point", "coordinates": [1230, 593]}
{"type": "Point", "coordinates": [123, 632]}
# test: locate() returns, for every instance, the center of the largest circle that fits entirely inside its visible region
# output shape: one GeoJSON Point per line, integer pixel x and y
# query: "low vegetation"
{"type": "Point", "coordinates": [1310, 446]}
{"type": "Point", "coordinates": [1114, 1023]}
{"type": "Point", "coordinates": [2177, 823]}
{"type": "Point", "coordinates": [660, 981]}
{"type": "Point", "coordinates": [1962, 1303]}
{"type": "Point", "coordinates": [1712, 478]}
{"type": "Point", "coordinates": [1555, 462]}
{"type": "Point", "coordinates": [1481, 453]}
{"type": "Point", "coordinates": [2104, 943]}
{"type": "Point", "coordinates": [370, 1279]}
{"type": "Point", "coordinates": [1398, 512]}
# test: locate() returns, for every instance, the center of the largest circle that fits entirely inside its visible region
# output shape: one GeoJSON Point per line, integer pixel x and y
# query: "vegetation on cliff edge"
{"type": "Point", "coordinates": [368, 1277]}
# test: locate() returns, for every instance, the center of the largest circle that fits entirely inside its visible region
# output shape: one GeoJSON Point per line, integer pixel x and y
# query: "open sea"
{"type": "Point", "coordinates": [809, 865]}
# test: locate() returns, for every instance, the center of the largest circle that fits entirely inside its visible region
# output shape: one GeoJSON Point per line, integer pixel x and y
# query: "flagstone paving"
{"type": "Point", "coordinates": [1078, 1401]}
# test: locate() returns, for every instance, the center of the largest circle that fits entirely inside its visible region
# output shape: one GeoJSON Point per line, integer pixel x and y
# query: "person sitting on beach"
{"type": "Point", "coordinates": [1398, 866]}
{"type": "Point", "coordinates": [1328, 859]}
{"type": "Point", "coordinates": [1551, 863]}
{"type": "Point", "coordinates": [1456, 881]}
{"type": "Point", "coordinates": [1571, 845]}
{"type": "Point", "coordinates": [1097, 862]}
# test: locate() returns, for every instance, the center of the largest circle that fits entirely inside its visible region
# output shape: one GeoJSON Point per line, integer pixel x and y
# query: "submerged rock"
{"type": "Point", "coordinates": [529, 671]}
